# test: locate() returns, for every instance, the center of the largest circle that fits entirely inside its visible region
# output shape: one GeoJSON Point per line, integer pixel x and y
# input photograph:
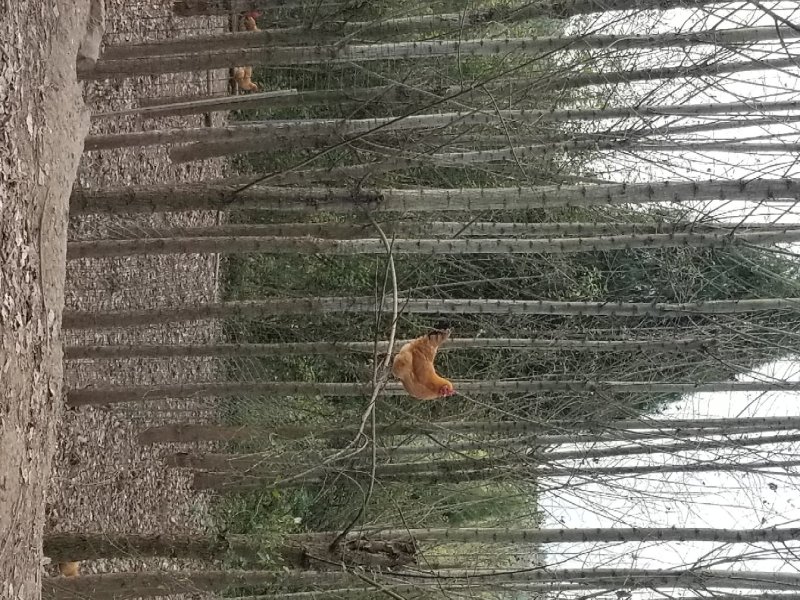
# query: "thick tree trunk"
{"type": "Point", "coordinates": [222, 195]}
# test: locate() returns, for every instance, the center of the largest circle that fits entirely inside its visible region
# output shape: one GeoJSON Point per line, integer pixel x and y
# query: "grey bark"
{"type": "Point", "coordinates": [120, 69]}
{"type": "Point", "coordinates": [302, 306]}
{"type": "Point", "coordinates": [348, 247]}
{"type": "Point", "coordinates": [527, 10]}
{"type": "Point", "coordinates": [221, 195]}
{"type": "Point", "coordinates": [476, 94]}
{"type": "Point", "coordinates": [234, 482]}
{"type": "Point", "coordinates": [265, 463]}
{"type": "Point", "coordinates": [253, 135]}
{"type": "Point", "coordinates": [293, 553]}
{"type": "Point", "coordinates": [515, 536]}
{"type": "Point", "coordinates": [540, 433]}
{"type": "Point", "coordinates": [307, 348]}
{"type": "Point", "coordinates": [448, 229]}
{"type": "Point", "coordinates": [147, 393]}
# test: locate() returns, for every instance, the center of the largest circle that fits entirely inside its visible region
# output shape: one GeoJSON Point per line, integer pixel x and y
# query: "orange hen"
{"type": "Point", "coordinates": [248, 22]}
{"type": "Point", "coordinates": [69, 569]}
{"type": "Point", "coordinates": [242, 76]}
{"type": "Point", "coordinates": [413, 366]}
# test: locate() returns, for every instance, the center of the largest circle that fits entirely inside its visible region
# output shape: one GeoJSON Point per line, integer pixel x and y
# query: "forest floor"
{"type": "Point", "coordinates": [42, 125]}
{"type": "Point", "coordinates": [103, 481]}
{"type": "Point", "coordinates": [83, 470]}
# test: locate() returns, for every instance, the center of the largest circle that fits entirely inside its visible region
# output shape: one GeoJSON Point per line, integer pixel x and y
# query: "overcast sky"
{"type": "Point", "coordinates": [726, 500]}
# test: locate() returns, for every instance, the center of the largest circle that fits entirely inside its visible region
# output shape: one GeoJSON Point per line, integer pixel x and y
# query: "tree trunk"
{"type": "Point", "coordinates": [227, 482]}
{"type": "Point", "coordinates": [235, 482]}
{"type": "Point", "coordinates": [221, 42]}
{"type": "Point", "coordinates": [329, 32]}
{"type": "Point", "coordinates": [302, 133]}
{"type": "Point", "coordinates": [124, 586]}
{"type": "Point", "coordinates": [252, 136]}
{"type": "Point", "coordinates": [296, 554]}
{"type": "Point", "coordinates": [204, 105]}
{"type": "Point", "coordinates": [337, 348]}
{"type": "Point", "coordinates": [89, 546]}
{"type": "Point", "coordinates": [476, 94]}
{"type": "Point", "coordinates": [541, 433]}
{"type": "Point", "coordinates": [279, 132]}
{"type": "Point", "coordinates": [490, 535]}
{"type": "Point", "coordinates": [452, 229]}
{"type": "Point", "coordinates": [385, 93]}
{"type": "Point", "coordinates": [197, 8]}
{"type": "Point", "coordinates": [187, 433]}
{"type": "Point", "coordinates": [303, 306]}
{"type": "Point", "coordinates": [706, 68]}
{"type": "Point", "coordinates": [221, 195]}
{"type": "Point", "coordinates": [120, 69]}
{"type": "Point", "coordinates": [513, 153]}
{"type": "Point", "coordinates": [264, 463]}
{"type": "Point", "coordinates": [529, 10]}
{"type": "Point", "coordinates": [101, 395]}
{"type": "Point", "coordinates": [643, 447]}
{"type": "Point", "coordinates": [485, 148]}
{"type": "Point", "coordinates": [629, 579]}
{"type": "Point", "coordinates": [434, 247]}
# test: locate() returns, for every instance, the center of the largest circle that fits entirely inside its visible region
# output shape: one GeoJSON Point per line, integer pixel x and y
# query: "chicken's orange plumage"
{"type": "Point", "coordinates": [248, 22]}
{"type": "Point", "coordinates": [413, 366]}
{"type": "Point", "coordinates": [242, 77]}
{"type": "Point", "coordinates": [70, 568]}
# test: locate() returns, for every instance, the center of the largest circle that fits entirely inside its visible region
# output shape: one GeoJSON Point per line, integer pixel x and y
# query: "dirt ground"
{"type": "Point", "coordinates": [42, 123]}
{"type": "Point", "coordinates": [101, 479]}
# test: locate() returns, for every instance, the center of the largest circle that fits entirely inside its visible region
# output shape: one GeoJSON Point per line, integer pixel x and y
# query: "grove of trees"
{"type": "Point", "coordinates": [598, 198]}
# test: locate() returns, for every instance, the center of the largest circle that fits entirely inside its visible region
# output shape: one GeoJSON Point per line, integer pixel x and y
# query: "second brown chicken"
{"type": "Point", "coordinates": [413, 366]}
{"type": "Point", "coordinates": [242, 76]}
